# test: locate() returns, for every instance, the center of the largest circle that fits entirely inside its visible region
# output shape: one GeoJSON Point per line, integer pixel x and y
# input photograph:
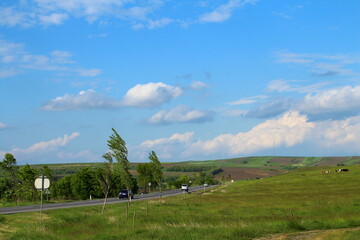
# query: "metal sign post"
{"type": "Point", "coordinates": [42, 183]}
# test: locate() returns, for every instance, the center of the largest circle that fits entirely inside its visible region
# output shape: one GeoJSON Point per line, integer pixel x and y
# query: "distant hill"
{"type": "Point", "coordinates": [265, 166]}
{"type": "Point", "coordinates": [235, 168]}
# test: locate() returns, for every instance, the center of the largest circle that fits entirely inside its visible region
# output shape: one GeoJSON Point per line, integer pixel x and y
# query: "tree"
{"type": "Point", "coordinates": [183, 179]}
{"type": "Point", "coordinates": [85, 183]}
{"type": "Point", "coordinates": [62, 188]}
{"type": "Point", "coordinates": [105, 176]}
{"type": "Point", "coordinates": [9, 181]}
{"type": "Point", "coordinates": [156, 170]}
{"type": "Point", "coordinates": [46, 171]}
{"type": "Point", "coordinates": [118, 150]}
{"type": "Point", "coordinates": [145, 174]}
{"type": "Point", "coordinates": [26, 189]}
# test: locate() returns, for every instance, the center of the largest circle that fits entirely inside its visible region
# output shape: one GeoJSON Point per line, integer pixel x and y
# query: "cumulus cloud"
{"type": "Point", "coordinates": [339, 134]}
{"type": "Point", "coordinates": [150, 94]}
{"type": "Point", "coordinates": [182, 114]}
{"type": "Point", "coordinates": [88, 99]}
{"type": "Point", "coordinates": [344, 101]}
{"type": "Point", "coordinates": [224, 12]}
{"type": "Point", "coordinates": [335, 103]}
{"type": "Point", "coordinates": [288, 130]}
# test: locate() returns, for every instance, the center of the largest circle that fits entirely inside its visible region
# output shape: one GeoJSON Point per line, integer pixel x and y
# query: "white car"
{"type": "Point", "coordinates": [185, 187]}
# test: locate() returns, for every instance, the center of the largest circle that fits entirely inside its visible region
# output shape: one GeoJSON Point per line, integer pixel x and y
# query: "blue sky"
{"type": "Point", "coordinates": [191, 80]}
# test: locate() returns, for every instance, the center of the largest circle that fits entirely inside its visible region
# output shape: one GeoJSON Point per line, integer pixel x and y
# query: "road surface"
{"type": "Point", "coordinates": [33, 208]}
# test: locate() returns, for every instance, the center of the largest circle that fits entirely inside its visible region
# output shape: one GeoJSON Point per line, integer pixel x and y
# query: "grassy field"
{"type": "Point", "coordinates": [301, 204]}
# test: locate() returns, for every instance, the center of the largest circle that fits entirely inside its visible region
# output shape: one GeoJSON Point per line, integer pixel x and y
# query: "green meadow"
{"type": "Point", "coordinates": [301, 204]}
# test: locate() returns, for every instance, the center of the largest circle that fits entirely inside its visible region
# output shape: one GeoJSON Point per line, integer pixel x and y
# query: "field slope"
{"type": "Point", "coordinates": [301, 204]}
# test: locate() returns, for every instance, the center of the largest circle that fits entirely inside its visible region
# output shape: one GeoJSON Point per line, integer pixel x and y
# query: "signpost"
{"type": "Point", "coordinates": [42, 183]}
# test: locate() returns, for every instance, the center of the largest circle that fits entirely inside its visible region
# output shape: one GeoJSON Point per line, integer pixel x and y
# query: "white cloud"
{"type": "Point", "coordinates": [321, 64]}
{"type": "Point", "coordinates": [15, 60]}
{"type": "Point", "coordinates": [46, 146]}
{"type": "Point", "coordinates": [12, 17]}
{"type": "Point", "coordinates": [88, 99]}
{"type": "Point", "coordinates": [248, 100]}
{"type": "Point", "coordinates": [341, 134]}
{"type": "Point", "coordinates": [292, 130]}
{"type": "Point", "coordinates": [288, 130]}
{"type": "Point", "coordinates": [88, 72]}
{"type": "Point", "coordinates": [152, 24]}
{"type": "Point", "coordinates": [197, 85]}
{"type": "Point", "coordinates": [281, 85]}
{"type": "Point", "coordinates": [53, 19]}
{"type": "Point", "coordinates": [181, 114]}
{"type": "Point", "coordinates": [335, 103]}
{"type": "Point", "coordinates": [235, 112]}
{"type": "Point", "coordinates": [224, 12]}
{"type": "Point", "coordinates": [343, 100]}
{"type": "Point", "coordinates": [150, 94]}
{"type": "Point", "coordinates": [5, 73]}
{"type": "Point", "coordinates": [165, 148]}
{"type": "Point", "coordinates": [138, 14]}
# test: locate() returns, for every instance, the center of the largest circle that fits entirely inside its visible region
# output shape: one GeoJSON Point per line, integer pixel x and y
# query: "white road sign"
{"type": "Point", "coordinates": [39, 184]}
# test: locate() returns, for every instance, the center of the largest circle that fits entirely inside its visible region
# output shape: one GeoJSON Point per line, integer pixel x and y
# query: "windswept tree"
{"type": "Point", "coordinates": [106, 176]}
{"type": "Point", "coordinates": [118, 150]}
{"type": "Point", "coordinates": [156, 170]}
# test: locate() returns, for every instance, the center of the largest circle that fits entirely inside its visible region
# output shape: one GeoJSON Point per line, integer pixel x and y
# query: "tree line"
{"type": "Point", "coordinates": [17, 182]}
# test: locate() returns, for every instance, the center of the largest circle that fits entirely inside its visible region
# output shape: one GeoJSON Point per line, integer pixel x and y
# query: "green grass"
{"type": "Point", "coordinates": [292, 203]}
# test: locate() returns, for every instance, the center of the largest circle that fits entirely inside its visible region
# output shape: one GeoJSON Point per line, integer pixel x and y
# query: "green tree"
{"type": "Point", "coordinates": [145, 174]}
{"type": "Point", "coordinates": [183, 179]}
{"type": "Point", "coordinates": [118, 150]}
{"type": "Point", "coordinates": [9, 181]}
{"type": "Point", "coordinates": [156, 170]}
{"type": "Point", "coordinates": [85, 183]}
{"type": "Point", "coordinates": [62, 189]}
{"type": "Point", "coordinates": [25, 189]}
{"type": "Point", "coordinates": [46, 171]}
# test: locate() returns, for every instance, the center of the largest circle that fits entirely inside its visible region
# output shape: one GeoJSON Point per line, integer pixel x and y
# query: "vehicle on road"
{"type": "Point", "coordinates": [124, 193]}
{"type": "Point", "coordinates": [185, 188]}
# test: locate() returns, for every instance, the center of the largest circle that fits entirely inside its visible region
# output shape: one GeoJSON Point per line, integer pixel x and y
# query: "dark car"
{"type": "Point", "coordinates": [124, 193]}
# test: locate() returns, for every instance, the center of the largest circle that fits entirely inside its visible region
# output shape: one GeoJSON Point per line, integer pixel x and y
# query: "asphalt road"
{"type": "Point", "coordinates": [34, 208]}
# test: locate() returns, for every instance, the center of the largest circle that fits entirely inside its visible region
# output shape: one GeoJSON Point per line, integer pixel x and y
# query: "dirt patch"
{"type": "Point", "coordinates": [247, 173]}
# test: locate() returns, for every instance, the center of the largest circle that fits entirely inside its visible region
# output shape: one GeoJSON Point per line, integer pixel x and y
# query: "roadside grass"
{"type": "Point", "coordinates": [296, 202]}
